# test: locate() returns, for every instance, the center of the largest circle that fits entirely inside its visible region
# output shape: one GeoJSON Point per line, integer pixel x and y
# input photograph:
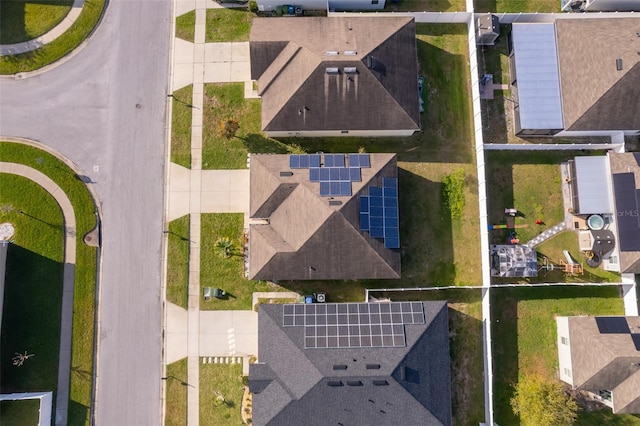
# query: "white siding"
{"type": "Point", "coordinates": [538, 76]}
{"type": "Point", "coordinates": [325, 133]}
{"type": "Point", "coordinates": [594, 186]}
{"type": "Point", "coordinates": [564, 351]}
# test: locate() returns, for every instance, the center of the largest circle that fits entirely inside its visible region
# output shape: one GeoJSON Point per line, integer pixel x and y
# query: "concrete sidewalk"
{"type": "Point", "coordinates": [66, 323]}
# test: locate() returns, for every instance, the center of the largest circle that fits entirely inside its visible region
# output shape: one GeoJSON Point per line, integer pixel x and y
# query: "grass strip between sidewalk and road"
{"type": "Point", "coordinates": [61, 46]}
{"type": "Point", "coordinates": [176, 394]}
{"type": "Point", "coordinates": [178, 261]}
{"type": "Point", "coordinates": [181, 118]}
{"type": "Point", "coordinates": [85, 271]}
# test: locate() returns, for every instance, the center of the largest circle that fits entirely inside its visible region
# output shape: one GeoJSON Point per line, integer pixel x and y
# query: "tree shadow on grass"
{"type": "Point", "coordinates": [78, 413]}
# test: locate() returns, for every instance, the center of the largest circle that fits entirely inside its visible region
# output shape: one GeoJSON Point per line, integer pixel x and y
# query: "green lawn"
{"type": "Point", "coordinates": [178, 261]}
{"type": "Point", "coordinates": [546, 6]}
{"type": "Point", "coordinates": [33, 287]}
{"type": "Point", "coordinates": [226, 273]}
{"type": "Point", "coordinates": [85, 271]}
{"type": "Point", "coordinates": [227, 380]}
{"type": "Point", "coordinates": [20, 413]}
{"type": "Point", "coordinates": [80, 30]}
{"type": "Point", "coordinates": [181, 126]}
{"type": "Point", "coordinates": [186, 26]}
{"type": "Point", "coordinates": [22, 20]}
{"type": "Point", "coordinates": [176, 394]}
{"type": "Point", "coordinates": [231, 24]}
{"type": "Point", "coordinates": [425, 6]}
{"type": "Point", "coordinates": [524, 333]}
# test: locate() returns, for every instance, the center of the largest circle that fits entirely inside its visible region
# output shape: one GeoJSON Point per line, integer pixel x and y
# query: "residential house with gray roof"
{"type": "Point", "coordinates": [355, 76]}
{"type": "Point", "coordinates": [324, 217]}
{"type": "Point", "coordinates": [352, 364]}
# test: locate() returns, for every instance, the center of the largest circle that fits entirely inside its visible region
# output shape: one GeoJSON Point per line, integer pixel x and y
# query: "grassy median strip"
{"type": "Point", "coordinates": [181, 126]}
{"type": "Point", "coordinates": [176, 394]}
{"type": "Point", "coordinates": [178, 262]}
{"type": "Point", "coordinates": [61, 46]}
{"type": "Point", "coordinates": [186, 26]}
{"type": "Point", "coordinates": [85, 271]}
{"type": "Point", "coordinates": [220, 394]}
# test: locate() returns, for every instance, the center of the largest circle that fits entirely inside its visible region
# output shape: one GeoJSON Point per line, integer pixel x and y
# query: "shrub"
{"type": "Point", "coordinates": [453, 193]}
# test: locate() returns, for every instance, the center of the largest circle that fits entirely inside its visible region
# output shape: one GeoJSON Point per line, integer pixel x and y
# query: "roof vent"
{"type": "Point", "coordinates": [350, 52]}
{"type": "Point", "coordinates": [340, 367]}
{"type": "Point", "coordinates": [403, 373]}
{"type": "Point", "coordinates": [350, 70]}
{"type": "Point", "coordinates": [335, 202]}
{"type": "Point", "coordinates": [334, 383]}
{"type": "Point", "coordinates": [619, 64]}
{"type": "Point", "coordinates": [331, 52]}
{"type": "Point", "coordinates": [354, 383]}
{"type": "Point", "coordinates": [380, 383]}
{"type": "Point", "coordinates": [333, 70]}
{"type": "Point", "coordinates": [284, 174]}
{"type": "Point", "coordinates": [373, 366]}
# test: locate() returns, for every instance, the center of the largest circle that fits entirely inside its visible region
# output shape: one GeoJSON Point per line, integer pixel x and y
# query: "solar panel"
{"type": "Point", "coordinates": [294, 161]}
{"type": "Point", "coordinates": [364, 221]}
{"type": "Point", "coordinates": [328, 160]}
{"type": "Point", "coordinates": [314, 175]}
{"type": "Point", "coordinates": [392, 243]}
{"type": "Point", "coordinates": [335, 188]}
{"type": "Point", "coordinates": [325, 174]}
{"type": "Point", "coordinates": [390, 212]}
{"type": "Point", "coordinates": [364, 204]}
{"type": "Point", "coordinates": [354, 325]}
{"type": "Point", "coordinates": [375, 200]}
{"type": "Point", "coordinates": [376, 211]}
{"type": "Point", "coordinates": [354, 160]}
{"type": "Point", "coordinates": [376, 222]}
{"type": "Point", "coordinates": [334, 174]}
{"type": "Point", "coordinates": [389, 182]}
{"type": "Point", "coordinates": [382, 208]}
{"type": "Point", "coordinates": [344, 174]}
{"type": "Point", "coordinates": [345, 188]}
{"type": "Point", "coordinates": [338, 160]}
{"type": "Point", "coordinates": [364, 159]}
{"type": "Point", "coordinates": [627, 206]}
{"type": "Point", "coordinates": [375, 190]}
{"type": "Point", "coordinates": [324, 189]}
{"type": "Point", "coordinates": [390, 192]}
{"type": "Point", "coordinates": [355, 174]}
{"type": "Point", "coordinates": [304, 161]}
{"type": "Point", "coordinates": [314, 160]}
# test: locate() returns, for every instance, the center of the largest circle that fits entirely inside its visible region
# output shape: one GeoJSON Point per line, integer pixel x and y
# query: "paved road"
{"type": "Point", "coordinates": [86, 109]}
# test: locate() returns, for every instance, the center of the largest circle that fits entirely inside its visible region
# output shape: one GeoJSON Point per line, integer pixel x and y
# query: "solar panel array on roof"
{"type": "Point", "coordinates": [612, 325]}
{"type": "Point", "coordinates": [627, 211]}
{"type": "Point", "coordinates": [304, 161]}
{"type": "Point", "coordinates": [353, 325]}
{"type": "Point", "coordinates": [379, 212]}
{"type": "Point", "coordinates": [333, 173]}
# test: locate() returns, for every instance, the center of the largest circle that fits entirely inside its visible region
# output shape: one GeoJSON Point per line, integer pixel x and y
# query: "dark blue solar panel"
{"type": "Point", "coordinates": [389, 182]}
{"type": "Point", "coordinates": [328, 160]}
{"type": "Point", "coordinates": [345, 188]}
{"type": "Point", "coordinates": [375, 201]}
{"type": "Point", "coordinates": [324, 189]}
{"type": "Point", "coordinates": [304, 161]}
{"type": "Point", "coordinates": [338, 160]}
{"type": "Point", "coordinates": [324, 174]}
{"type": "Point", "coordinates": [390, 202]}
{"type": "Point", "coordinates": [335, 174]}
{"type": "Point", "coordinates": [376, 222]}
{"type": "Point", "coordinates": [355, 175]}
{"type": "Point", "coordinates": [364, 160]}
{"type": "Point", "coordinates": [344, 174]}
{"type": "Point", "coordinates": [375, 211]}
{"type": "Point", "coordinates": [392, 242]}
{"type": "Point", "coordinates": [364, 222]}
{"type": "Point", "coordinates": [314, 160]}
{"type": "Point", "coordinates": [364, 204]}
{"type": "Point", "coordinates": [294, 161]}
{"type": "Point", "coordinates": [354, 160]}
{"type": "Point", "coordinates": [391, 212]}
{"type": "Point", "coordinates": [314, 175]}
{"type": "Point", "coordinates": [391, 222]}
{"type": "Point", "coordinates": [375, 190]}
{"type": "Point", "coordinates": [391, 232]}
{"type": "Point", "coordinates": [390, 192]}
{"type": "Point", "coordinates": [376, 232]}
{"type": "Point", "coordinates": [335, 188]}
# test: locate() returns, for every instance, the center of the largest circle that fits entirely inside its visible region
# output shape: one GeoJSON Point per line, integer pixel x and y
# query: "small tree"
{"type": "Point", "coordinates": [224, 247]}
{"type": "Point", "coordinates": [229, 128]}
{"type": "Point", "coordinates": [540, 402]}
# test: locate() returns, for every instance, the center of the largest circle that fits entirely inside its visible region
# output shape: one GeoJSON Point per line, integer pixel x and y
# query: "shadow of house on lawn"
{"type": "Point", "coordinates": [13, 17]}
{"type": "Point", "coordinates": [31, 321]}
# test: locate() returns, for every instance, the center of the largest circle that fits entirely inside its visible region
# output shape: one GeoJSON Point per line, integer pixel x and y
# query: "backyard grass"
{"type": "Point", "coordinates": [226, 273]}
{"type": "Point", "coordinates": [176, 394]}
{"type": "Point", "coordinates": [525, 6]}
{"type": "Point", "coordinates": [33, 287]}
{"type": "Point", "coordinates": [178, 261]}
{"type": "Point", "coordinates": [22, 20]}
{"type": "Point", "coordinates": [61, 46]}
{"type": "Point", "coordinates": [20, 413]}
{"type": "Point", "coordinates": [231, 24]}
{"type": "Point", "coordinates": [85, 271]}
{"type": "Point", "coordinates": [227, 380]}
{"type": "Point", "coordinates": [181, 126]}
{"type": "Point", "coordinates": [524, 333]}
{"type": "Point", "coordinates": [186, 26]}
{"type": "Point", "coordinates": [425, 6]}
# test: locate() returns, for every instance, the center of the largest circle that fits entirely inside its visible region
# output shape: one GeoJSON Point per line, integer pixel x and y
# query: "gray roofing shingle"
{"type": "Point", "coordinates": [412, 385]}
